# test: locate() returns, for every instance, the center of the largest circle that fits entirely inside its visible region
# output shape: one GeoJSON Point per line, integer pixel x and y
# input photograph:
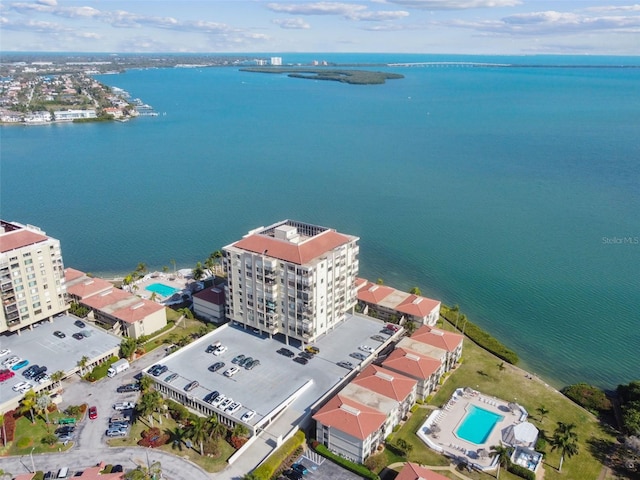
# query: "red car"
{"type": "Point", "coordinates": [6, 375]}
{"type": "Point", "coordinates": [93, 413]}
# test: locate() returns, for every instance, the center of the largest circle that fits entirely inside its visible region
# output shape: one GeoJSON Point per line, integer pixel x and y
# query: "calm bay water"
{"type": "Point", "coordinates": [492, 188]}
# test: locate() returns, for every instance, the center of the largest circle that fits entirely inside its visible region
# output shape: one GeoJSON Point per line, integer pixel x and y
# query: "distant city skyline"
{"type": "Point", "coordinates": [379, 26]}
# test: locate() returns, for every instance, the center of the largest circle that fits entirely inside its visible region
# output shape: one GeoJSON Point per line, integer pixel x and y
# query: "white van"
{"type": "Point", "coordinates": [64, 471]}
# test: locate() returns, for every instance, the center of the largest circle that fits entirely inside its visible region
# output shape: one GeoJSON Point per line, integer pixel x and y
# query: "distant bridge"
{"type": "Point", "coordinates": [448, 64]}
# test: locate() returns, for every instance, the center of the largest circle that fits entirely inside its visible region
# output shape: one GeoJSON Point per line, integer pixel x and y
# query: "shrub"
{"type": "Point", "coordinates": [587, 396]}
{"type": "Point", "coordinates": [24, 442]}
{"type": "Point", "coordinates": [237, 442]}
{"type": "Point", "coordinates": [356, 468]}
{"type": "Point", "coordinates": [49, 439]}
{"type": "Point", "coordinates": [39, 475]}
{"type": "Point", "coordinates": [413, 409]}
{"type": "Point", "coordinates": [486, 341]}
{"type": "Point", "coordinates": [177, 411]}
{"type": "Point", "coordinates": [10, 425]}
{"type": "Point", "coordinates": [376, 462]}
{"type": "Point", "coordinates": [107, 468]}
{"type": "Point", "coordinates": [521, 471]}
{"type": "Point", "coordinates": [269, 467]}
{"type": "Point", "coordinates": [541, 444]}
{"type": "Point", "coordinates": [153, 438]}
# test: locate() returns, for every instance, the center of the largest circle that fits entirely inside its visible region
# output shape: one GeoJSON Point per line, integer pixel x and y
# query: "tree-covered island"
{"type": "Point", "coordinates": [353, 77]}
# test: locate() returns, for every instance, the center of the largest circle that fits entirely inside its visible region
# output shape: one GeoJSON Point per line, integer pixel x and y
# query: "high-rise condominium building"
{"type": "Point", "coordinates": [291, 278]}
{"type": "Point", "coordinates": [31, 276]}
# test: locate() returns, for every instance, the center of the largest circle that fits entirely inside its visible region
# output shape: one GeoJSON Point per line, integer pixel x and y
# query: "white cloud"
{"type": "Point", "coordinates": [615, 8]}
{"type": "Point", "coordinates": [380, 16]}
{"type": "Point", "coordinates": [291, 23]}
{"type": "Point", "coordinates": [553, 22]}
{"type": "Point", "coordinates": [455, 4]}
{"type": "Point", "coordinates": [51, 3]}
{"type": "Point", "coordinates": [317, 8]}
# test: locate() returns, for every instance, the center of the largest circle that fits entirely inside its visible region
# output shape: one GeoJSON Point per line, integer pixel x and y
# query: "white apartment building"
{"type": "Point", "coordinates": [291, 278]}
{"type": "Point", "coordinates": [31, 276]}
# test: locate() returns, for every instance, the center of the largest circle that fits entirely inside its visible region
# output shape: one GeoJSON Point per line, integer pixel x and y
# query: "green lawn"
{"type": "Point", "coordinates": [29, 435]}
{"type": "Point", "coordinates": [193, 454]}
{"type": "Point", "coordinates": [480, 370]}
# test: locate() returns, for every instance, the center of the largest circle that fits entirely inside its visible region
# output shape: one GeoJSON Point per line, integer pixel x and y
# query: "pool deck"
{"type": "Point", "coordinates": [451, 415]}
{"type": "Point", "coordinates": [171, 280]}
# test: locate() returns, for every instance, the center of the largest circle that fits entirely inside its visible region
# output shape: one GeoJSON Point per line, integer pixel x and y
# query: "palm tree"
{"type": "Point", "coordinates": [145, 384]}
{"type": "Point", "coordinates": [42, 404]}
{"type": "Point", "coordinates": [83, 363]}
{"type": "Point", "coordinates": [198, 431]}
{"type": "Point", "coordinates": [198, 272]}
{"type": "Point", "coordinates": [240, 430]}
{"type": "Point", "coordinates": [28, 403]}
{"type": "Point", "coordinates": [56, 377]}
{"type": "Point", "coordinates": [543, 412]}
{"type": "Point", "coordinates": [565, 440]}
{"type": "Point", "coordinates": [415, 291]}
{"type": "Point", "coordinates": [4, 431]}
{"type": "Point", "coordinates": [177, 436]}
{"type": "Point", "coordinates": [456, 309]}
{"type": "Point", "coordinates": [211, 265]}
{"type": "Point", "coordinates": [216, 429]}
{"type": "Point", "coordinates": [150, 402]}
{"type": "Point", "coordinates": [502, 453]}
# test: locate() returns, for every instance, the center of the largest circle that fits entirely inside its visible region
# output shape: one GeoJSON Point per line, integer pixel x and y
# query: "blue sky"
{"type": "Point", "coordinates": [404, 26]}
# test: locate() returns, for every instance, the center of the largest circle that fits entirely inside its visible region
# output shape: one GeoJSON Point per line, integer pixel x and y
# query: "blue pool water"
{"type": "Point", "coordinates": [161, 289]}
{"type": "Point", "coordinates": [477, 425]}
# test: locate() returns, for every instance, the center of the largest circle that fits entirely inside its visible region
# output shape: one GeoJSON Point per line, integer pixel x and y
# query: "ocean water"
{"type": "Point", "coordinates": [512, 192]}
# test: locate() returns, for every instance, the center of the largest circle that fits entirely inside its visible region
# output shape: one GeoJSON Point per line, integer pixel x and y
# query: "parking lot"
{"type": "Point", "coordinates": [277, 378]}
{"type": "Point", "coordinates": [40, 346]}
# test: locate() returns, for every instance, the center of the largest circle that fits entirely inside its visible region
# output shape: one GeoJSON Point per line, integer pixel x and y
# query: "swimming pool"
{"type": "Point", "coordinates": [162, 289]}
{"type": "Point", "coordinates": [477, 425]}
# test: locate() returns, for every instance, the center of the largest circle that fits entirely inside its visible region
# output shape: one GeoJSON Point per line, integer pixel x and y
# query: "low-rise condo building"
{"type": "Point", "coordinates": [291, 278]}
{"type": "Point", "coordinates": [31, 276]}
{"type": "Point", "coordinates": [391, 305]}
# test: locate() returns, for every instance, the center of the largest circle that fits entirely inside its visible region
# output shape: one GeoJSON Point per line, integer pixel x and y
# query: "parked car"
{"type": "Point", "coordinates": [6, 375]}
{"type": "Point", "coordinates": [20, 364]}
{"type": "Point", "coordinates": [231, 372]}
{"type": "Point", "coordinates": [123, 405]}
{"type": "Point", "coordinates": [252, 365]}
{"type": "Point", "coordinates": [220, 350]}
{"type": "Point", "coordinates": [4, 351]}
{"type": "Point", "coordinates": [225, 403]}
{"type": "Point", "coordinates": [345, 364]}
{"type": "Point", "coordinates": [233, 408]}
{"type": "Point", "coordinates": [291, 474]}
{"type": "Point", "coordinates": [116, 433]}
{"type": "Point", "coordinates": [31, 371]}
{"type": "Point", "coordinates": [286, 352]}
{"type": "Point", "coordinates": [219, 400]}
{"type": "Point", "coordinates": [128, 387]}
{"type": "Point", "coordinates": [216, 366]}
{"type": "Point", "coordinates": [22, 387]}
{"type": "Point", "coordinates": [211, 396]}
{"type": "Point", "coordinates": [378, 338]}
{"type": "Point", "coordinates": [306, 355]}
{"type": "Point", "coordinates": [42, 378]}
{"type": "Point", "coordinates": [93, 412]}
{"type": "Point", "coordinates": [11, 361]}
{"type": "Point", "coordinates": [170, 378]}
{"type": "Point", "coordinates": [78, 336]}
{"type": "Point", "coordinates": [248, 416]}
{"type": "Point", "coordinates": [358, 355]}
{"type": "Point", "coordinates": [298, 467]}
{"type": "Point", "coordinates": [238, 358]}
{"type": "Point", "coordinates": [367, 348]}
{"type": "Point", "coordinates": [312, 349]}
{"type": "Point", "coordinates": [245, 361]}
{"type": "Point", "coordinates": [158, 370]}
{"type": "Point", "coordinates": [301, 360]}
{"type": "Point", "coordinates": [79, 324]}
{"type": "Point", "coordinates": [59, 334]}
{"type": "Point", "coordinates": [191, 385]}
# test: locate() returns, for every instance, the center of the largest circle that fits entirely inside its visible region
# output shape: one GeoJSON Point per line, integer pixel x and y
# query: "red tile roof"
{"type": "Point", "coordinates": [385, 382]}
{"type": "Point", "coordinates": [448, 341]}
{"type": "Point", "coordinates": [350, 417]}
{"type": "Point", "coordinates": [413, 471]}
{"type": "Point", "coordinates": [138, 311]}
{"type": "Point", "coordinates": [213, 295]}
{"type": "Point", "coordinates": [93, 473]}
{"type": "Point", "coordinates": [88, 287]}
{"type": "Point", "coordinates": [412, 363]}
{"type": "Point", "coordinates": [417, 306]}
{"type": "Point", "coordinates": [71, 274]}
{"type": "Point", "coordinates": [19, 238]}
{"type": "Point", "coordinates": [298, 253]}
{"type": "Point", "coordinates": [373, 293]}
{"type": "Point", "coordinates": [104, 299]}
